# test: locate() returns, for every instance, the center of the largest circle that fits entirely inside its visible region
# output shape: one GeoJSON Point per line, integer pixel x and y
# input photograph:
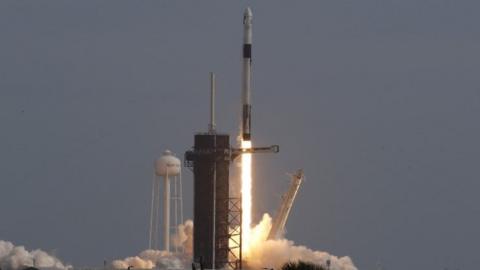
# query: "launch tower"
{"type": "Point", "coordinates": [217, 216]}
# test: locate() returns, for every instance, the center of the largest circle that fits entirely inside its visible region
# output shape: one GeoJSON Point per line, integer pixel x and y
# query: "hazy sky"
{"type": "Point", "coordinates": [378, 101]}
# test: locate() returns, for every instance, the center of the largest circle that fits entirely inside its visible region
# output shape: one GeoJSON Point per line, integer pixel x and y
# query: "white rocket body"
{"type": "Point", "coordinates": [247, 75]}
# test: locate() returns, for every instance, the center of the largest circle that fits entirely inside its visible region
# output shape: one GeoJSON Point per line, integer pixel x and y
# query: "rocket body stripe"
{"type": "Point", "coordinates": [247, 51]}
{"type": "Point", "coordinates": [246, 125]}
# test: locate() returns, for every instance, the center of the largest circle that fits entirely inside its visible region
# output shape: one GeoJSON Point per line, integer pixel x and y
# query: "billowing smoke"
{"type": "Point", "coordinates": [149, 259]}
{"type": "Point", "coordinates": [17, 257]}
{"type": "Point", "coordinates": [161, 259]}
{"type": "Point", "coordinates": [265, 253]}
{"type": "Point", "coordinates": [184, 238]}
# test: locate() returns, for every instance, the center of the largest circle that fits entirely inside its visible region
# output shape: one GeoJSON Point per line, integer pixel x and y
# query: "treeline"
{"type": "Point", "coordinates": [301, 265]}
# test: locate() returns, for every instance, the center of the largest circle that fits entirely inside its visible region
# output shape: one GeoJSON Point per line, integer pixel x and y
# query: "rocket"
{"type": "Point", "coordinates": [247, 75]}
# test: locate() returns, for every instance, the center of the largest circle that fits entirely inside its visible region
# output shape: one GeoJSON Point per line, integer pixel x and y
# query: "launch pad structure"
{"type": "Point", "coordinates": [217, 235]}
{"type": "Point", "coordinates": [217, 242]}
{"type": "Point", "coordinates": [217, 216]}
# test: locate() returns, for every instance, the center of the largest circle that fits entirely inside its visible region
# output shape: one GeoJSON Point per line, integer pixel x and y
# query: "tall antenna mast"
{"type": "Point", "coordinates": [211, 126]}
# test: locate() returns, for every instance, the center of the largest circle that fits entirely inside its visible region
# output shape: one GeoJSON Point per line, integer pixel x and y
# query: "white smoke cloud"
{"type": "Point", "coordinates": [265, 253]}
{"type": "Point", "coordinates": [162, 259]}
{"type": "Point", "coordinates": [17, 257]}
{"type": "Point", "coordinates": [149, 259]}
{"type": "Point", "coordinates": [184, 238]}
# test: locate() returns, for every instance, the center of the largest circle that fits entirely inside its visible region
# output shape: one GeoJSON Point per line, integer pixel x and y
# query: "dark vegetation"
{"type": "Point", "coordinates": [301, 265]}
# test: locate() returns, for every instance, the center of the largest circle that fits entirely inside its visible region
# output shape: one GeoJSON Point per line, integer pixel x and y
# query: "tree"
{"type": "Point", "coordinates": [301, 265]}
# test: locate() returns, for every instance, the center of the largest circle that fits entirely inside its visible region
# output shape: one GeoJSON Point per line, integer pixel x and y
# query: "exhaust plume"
{"type": "Point", "coordinates": [246, 196]}
{"type": "Point", "coordinates": [17, 257]}
{"type": "Point", "coordinates": [274, 254]}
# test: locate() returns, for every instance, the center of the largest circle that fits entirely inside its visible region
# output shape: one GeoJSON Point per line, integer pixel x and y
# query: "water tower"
{"type": "Point", "coordinates": [167, 170]}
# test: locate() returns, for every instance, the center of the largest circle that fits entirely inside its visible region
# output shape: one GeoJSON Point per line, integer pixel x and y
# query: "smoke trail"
{"type": "Point", "coordinates": [17, 257]}
{"type": "Point", "coordinates": [265, 253]}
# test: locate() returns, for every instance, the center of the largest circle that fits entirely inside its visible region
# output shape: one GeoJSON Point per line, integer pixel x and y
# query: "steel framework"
{"type": "Point", "coordinates": [233, 235]}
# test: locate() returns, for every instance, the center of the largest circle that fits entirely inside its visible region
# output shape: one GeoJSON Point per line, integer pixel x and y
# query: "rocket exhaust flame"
{"type": "Point", "coordinates": [246, 196]}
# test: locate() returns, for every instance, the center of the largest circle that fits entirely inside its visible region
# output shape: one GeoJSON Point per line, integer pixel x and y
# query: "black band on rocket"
{"type": "Point", "coordinates": [246, 119]}
{"type": "Point", "coordinates": [247, 50]}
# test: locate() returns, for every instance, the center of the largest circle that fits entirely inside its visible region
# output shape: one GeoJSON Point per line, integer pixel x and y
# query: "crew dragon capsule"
{"type": "Point", "coordinates": [247, 75]}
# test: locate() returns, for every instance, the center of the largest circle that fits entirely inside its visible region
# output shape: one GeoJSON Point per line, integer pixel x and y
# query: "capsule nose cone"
{"type": "Point", "coordinates": [248, 12]}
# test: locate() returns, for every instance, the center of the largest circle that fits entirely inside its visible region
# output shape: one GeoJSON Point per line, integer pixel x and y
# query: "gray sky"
{"type": "Point", "coordinates": [377, 100]}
